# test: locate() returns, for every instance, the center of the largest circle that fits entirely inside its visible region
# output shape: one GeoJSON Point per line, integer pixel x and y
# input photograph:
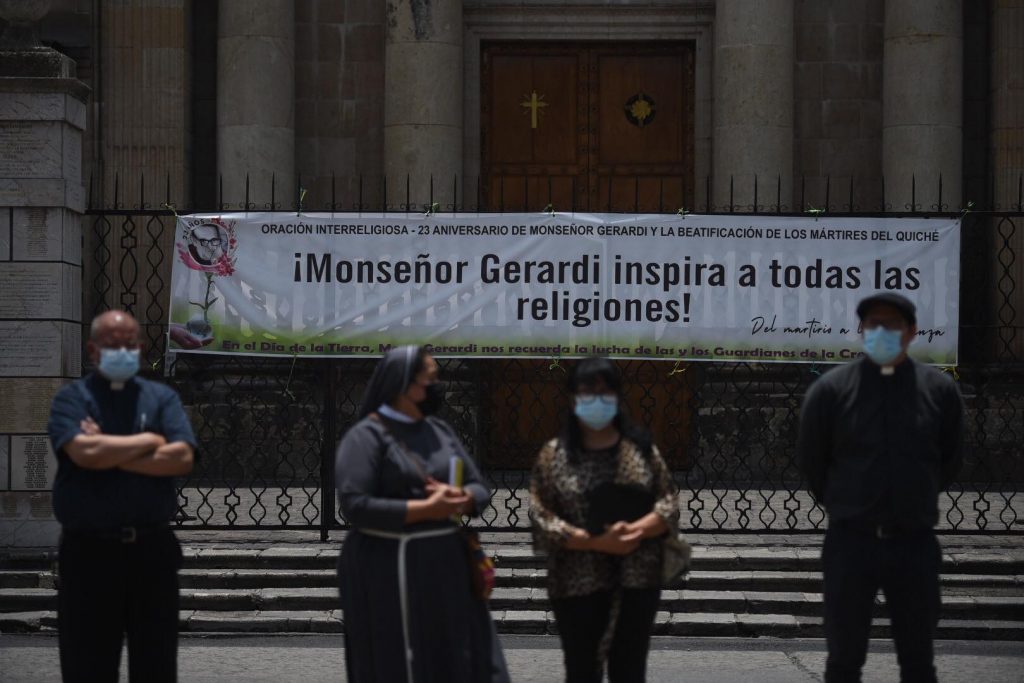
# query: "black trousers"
{"type": "Point", "coordinates": [581, 623]}
{"type": "Point", "coordinates": [856, 564]}
{"type": "Point", "coordinates": [108, 590]}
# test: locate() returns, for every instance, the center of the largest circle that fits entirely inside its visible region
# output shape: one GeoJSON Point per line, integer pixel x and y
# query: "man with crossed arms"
{"type": "Point", "coordinates": [120, 440]}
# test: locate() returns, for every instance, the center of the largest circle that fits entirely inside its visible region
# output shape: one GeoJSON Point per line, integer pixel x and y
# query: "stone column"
{"type": "Point", "coordinates": [42, 117]}
{"type": "Point", "coordinates": [145, 102]}
{"type": "Point", "coordinates": [256, 100]}
{"type": "Point", "coordinates": [922, 103]}
{"type": "Point", "coordinates": [423, 97]}
{"type": "Point", "coordinates": [753, 107]}
{"type": "Point", "coordinates": [1007, 159]}
{"type": "Point", "coordinates": [1007, 84]}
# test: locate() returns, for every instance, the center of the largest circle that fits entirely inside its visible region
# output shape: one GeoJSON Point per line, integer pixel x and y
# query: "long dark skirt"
{"type": "Point", "coordinates": [451, 632]}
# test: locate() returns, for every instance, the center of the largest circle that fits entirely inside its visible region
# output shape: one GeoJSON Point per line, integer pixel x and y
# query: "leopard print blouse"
{"type": "Point", "coordinates": [558, 503]}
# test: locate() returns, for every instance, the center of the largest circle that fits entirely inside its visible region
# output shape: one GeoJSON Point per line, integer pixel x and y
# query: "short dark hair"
{"type": "Point", "coordinates": [586, 373]}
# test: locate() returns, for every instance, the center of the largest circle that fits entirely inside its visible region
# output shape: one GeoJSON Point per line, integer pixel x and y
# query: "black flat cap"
{"type": "Point", "coordinates": [901, 303]}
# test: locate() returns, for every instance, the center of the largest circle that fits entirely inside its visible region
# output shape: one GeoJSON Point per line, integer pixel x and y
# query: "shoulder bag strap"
{"type": "Point", "coordinates": [391, 438]}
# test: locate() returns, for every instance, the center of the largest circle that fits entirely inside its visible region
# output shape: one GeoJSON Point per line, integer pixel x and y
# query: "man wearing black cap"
{"type": "Point", "coordinates": [880, 437]}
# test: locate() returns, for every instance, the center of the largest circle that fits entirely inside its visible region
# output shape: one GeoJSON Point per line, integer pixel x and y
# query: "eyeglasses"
{"type": "Point", "coordinates": [590, 398]}
{"type": "Point", "coordinates": [212, 242]}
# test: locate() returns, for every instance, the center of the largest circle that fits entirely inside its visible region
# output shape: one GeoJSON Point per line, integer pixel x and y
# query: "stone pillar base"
{"type": "Point", "coordinates": [42, 117]}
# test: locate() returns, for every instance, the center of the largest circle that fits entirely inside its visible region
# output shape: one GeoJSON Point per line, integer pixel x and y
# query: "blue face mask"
{"type": "Point", "coordinates": [596, 412]}
{"type": "Point", "coordinates": [882, 345]}
{"type": "Point", "coordinates": [119, 365]}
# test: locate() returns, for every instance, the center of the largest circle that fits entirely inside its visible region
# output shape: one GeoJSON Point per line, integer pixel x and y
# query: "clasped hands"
{"type": "Point", "coordinates": [444, 501]}
{"type": "Point", "coordinates": [620, 538]}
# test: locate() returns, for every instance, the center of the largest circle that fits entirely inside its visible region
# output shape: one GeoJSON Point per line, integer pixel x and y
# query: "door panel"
{"type": "Point", "coordinates": [612, 122]}
{"type": "Point", "coordinates": [518, 135]}
{"type": "Point", "coordinates": [533, 148]}
{"type": "Point", "coordinates": [640, 110]}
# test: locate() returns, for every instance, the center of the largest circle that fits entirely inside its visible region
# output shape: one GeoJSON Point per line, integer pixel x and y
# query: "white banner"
{"type": "Point", "coordinates": [732, 288]}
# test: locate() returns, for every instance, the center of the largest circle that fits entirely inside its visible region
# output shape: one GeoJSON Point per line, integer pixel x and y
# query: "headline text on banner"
{"type": "Point", "coordinates": [668, 287]}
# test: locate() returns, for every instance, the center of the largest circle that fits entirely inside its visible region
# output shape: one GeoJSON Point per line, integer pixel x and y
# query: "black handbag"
{"type": "Point", "coordinates": [608, 503]}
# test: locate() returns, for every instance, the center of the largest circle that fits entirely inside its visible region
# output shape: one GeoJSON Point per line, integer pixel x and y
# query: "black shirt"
{"type": "Point", "coordinates": [106, 500]}
{"type": "Point", "coordinates": [879, 448]}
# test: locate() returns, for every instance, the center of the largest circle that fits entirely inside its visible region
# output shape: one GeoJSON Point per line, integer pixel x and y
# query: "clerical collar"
{"type": "Point", "coordinates": [888, 370]}
{"type": "Point", "coordinates": [111, 385]}
{"type": "Point", "coordinates": [392, 414]}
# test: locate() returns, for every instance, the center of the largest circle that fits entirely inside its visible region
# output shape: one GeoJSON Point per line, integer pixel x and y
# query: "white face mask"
{"type": "Point", "coordinates": [883, 346]}
{"type": "Point", "coordinates": [596, 411]}
{"type": "Point", "coordinates": [119, 365]}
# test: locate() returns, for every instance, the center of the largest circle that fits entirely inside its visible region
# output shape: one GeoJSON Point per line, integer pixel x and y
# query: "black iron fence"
{"type": "Point", "coordinates": [268, 427]}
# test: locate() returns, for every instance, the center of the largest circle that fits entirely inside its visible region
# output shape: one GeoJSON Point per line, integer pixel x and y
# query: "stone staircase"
{"type": "Point", "coordinates": [741, 585]}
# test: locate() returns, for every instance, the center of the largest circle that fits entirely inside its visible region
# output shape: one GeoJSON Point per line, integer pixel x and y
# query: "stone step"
{"type": "Point", "coordinates": [26, 578]}
{"type": "Point", "coordinates": [534, 599]}
{"type": "Point", "coordinates": [693, 624]}
{"type": "Point", "coordinates": [956, 584]}
{"type": "Point", "coordinates": [953, 584]}
{"type": "Point", "coordinates": [516, 556]}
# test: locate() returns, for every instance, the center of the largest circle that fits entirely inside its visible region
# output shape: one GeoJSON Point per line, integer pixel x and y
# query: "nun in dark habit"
{"type": "Point", "coordinates": [410, 614]}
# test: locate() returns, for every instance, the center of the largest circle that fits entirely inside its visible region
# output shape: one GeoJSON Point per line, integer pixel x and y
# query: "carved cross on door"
{"type": "Point", "coordinates": [534, 103]}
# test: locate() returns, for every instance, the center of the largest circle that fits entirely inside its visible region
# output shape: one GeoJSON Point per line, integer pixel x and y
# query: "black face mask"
{"type": "Point", "coordinates": [434, 400]}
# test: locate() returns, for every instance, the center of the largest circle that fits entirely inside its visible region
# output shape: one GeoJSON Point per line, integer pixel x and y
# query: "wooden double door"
{"type": "Point", "coordinates": [587, 127]}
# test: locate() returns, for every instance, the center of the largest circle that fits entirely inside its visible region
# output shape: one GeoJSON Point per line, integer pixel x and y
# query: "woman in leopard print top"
{"type": "Point", "coordinates": [603, 585]}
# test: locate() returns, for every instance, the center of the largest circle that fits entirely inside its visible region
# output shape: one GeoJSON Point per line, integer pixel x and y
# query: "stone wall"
{"type": "Point", "coordinates": [339, 98]}
{"type": "Point", "coordinates": [839, 101]}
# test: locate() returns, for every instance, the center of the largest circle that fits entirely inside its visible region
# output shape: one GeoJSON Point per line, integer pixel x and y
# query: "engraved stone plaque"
{"type": "Point", "coordinates": [71, 299]}
{"type": "Point", "coordinates": [72, 237]}
{"type": "Point", "coordinates": [31, 349]}
{"type": "Point", "coordinates": [25, 403]}
{"type": "Point", "coordinates": [31, 290]}
{"type": "Point", "coordinates": [34, 192]}
{"type": "Point", "coordinates": [32, 149]}
{"type": "Point", "coordinates": [33, 464]}
{"type": "Point", "coordinates": [37, 234]}
{"type": "Point", "coordinates": [71, 153]}
{"type": "Point", "coordinates": [72, 336]}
